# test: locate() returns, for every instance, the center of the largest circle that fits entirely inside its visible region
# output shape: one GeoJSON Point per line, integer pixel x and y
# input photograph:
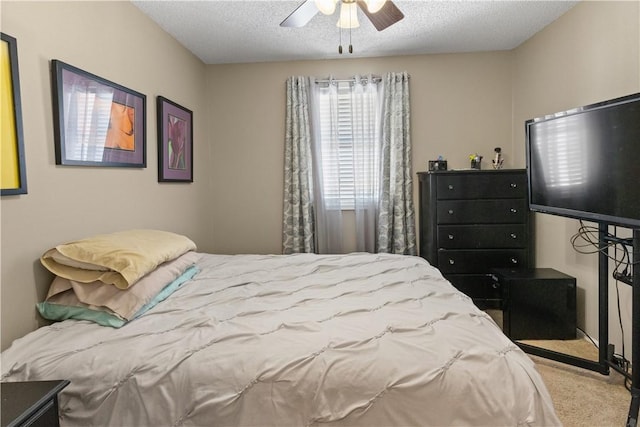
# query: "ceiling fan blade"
{"type": "Point", "coordinates": [302, 15]}
{"type": "Point", "coordinates": [385, 17]}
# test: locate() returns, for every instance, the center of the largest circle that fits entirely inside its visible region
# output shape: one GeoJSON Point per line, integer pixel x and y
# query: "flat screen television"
{"type": "Point", "coordinates": [585, 163]}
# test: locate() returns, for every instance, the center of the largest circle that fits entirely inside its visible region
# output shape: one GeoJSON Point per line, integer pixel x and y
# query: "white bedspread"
{"type": "Point", "coordinates": [293, 340]}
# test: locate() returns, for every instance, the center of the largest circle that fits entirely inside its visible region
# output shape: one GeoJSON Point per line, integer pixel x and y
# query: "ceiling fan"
{"type": "Point", "coordinates": [381, 13]}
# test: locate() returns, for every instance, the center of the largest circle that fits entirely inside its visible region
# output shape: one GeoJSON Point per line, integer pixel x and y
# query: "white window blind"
{"type": "Point", "coordinates": [348, 138]}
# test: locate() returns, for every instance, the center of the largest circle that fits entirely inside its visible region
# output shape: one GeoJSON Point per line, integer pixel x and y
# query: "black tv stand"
{"type": "Point", "coordinates": [632, 418]}
{"type": "Point", "coordinates": [625, 278]}
{"type": "Point", "coordinates": [606, 358]}
{"type": "Point", "coordinates": [606, 351]}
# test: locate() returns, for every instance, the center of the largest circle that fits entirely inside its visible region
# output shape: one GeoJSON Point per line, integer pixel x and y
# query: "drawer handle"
{"type": "Point", "coordinates": [450, 236]}
{"type": "Point", "coordinates": [513, 236]}
{"type": "Point", "coordinates": [514, 185]}
{"type": "Point", "coordinates": [450, 211]}
{"type": "Point", "coordinates": [513, 210]}
{"type": "Point", "coordinates": [451, 261]}
{"type": "Point", "coordinates": [450, 186]}
{"type": "Point", "coordinates": [514, 261]}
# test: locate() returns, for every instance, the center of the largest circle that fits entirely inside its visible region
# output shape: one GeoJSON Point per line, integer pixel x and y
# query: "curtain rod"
{"type": "Point", "coordinates": [351, 80]}
{"type": "Point", "coordinates": [376, 79]}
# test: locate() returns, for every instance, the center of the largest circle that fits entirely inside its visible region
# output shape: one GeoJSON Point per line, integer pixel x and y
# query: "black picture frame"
{"type": "Point", "coordinates": [175, 142]}
{"type": "Point", "coordinates": [14, 170]}
{"type": "Point", "coordinates": [96, 122]}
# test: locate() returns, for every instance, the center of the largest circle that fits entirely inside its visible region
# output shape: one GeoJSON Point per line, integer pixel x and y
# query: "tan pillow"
{"type": "Point", "coordinates": [120, 258]}
{"type": "Point", "coordinates": [124, 303]}
{"type": "Point", "coordinates": [61, 259]}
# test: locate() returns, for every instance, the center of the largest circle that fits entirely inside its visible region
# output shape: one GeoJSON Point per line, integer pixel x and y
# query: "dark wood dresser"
{"type": "Point", "coordinates": [473, 221]}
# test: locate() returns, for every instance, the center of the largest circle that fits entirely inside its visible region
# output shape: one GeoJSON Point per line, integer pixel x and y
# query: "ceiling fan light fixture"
{"type": "Point", "coordinates": [326, 6]}
{"type": "Point", "coordinates": [348, 15]}
{"type": "Point", "coordinates": [374, 6]}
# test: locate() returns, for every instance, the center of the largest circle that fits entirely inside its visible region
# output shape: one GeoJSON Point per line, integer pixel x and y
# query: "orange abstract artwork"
{"type": "Point", "coordinates": [121, 128]}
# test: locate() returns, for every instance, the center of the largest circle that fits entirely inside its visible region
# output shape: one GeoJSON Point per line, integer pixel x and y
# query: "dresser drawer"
{"type": "Point", "coordinates": [479, 261]}
{"type": "Point", "coordinates": [500, 211]}
{"type": "Point", "coordinates": [482, 186]}
{"type": "Point", "coordinates": [482, 236]}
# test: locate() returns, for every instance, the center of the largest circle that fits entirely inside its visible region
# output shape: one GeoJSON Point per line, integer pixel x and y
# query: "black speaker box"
{"type": "Point", "coordinates": [540, 303]}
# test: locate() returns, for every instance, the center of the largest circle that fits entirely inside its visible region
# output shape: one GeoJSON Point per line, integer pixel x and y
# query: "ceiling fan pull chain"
{"type": "Point", "coordinates": [350, 26]}
{"type": "Point", "coordinates": [340, 45]}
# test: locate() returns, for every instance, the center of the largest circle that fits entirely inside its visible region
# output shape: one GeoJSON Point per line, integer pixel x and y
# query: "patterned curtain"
{"type": "Point", "coordinates": [298, 219]}
{"type": "Point", "coordinates": [396, 218]}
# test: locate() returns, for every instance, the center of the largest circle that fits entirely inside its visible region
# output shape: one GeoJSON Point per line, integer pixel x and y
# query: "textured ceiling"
{"type": "Point", "coordinates": [240, 31]}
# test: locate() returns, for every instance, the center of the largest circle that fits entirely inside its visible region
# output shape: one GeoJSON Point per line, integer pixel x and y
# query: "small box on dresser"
{"type": "Point", "coordinates": [472, 221]}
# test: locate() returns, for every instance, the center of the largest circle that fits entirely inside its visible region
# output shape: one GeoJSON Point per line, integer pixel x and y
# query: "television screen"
{"type": "Point", "coordinates": [585, 163]}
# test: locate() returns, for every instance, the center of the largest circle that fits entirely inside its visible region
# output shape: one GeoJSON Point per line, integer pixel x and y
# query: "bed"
{"type": "Point", "coordinates": [304, 340]}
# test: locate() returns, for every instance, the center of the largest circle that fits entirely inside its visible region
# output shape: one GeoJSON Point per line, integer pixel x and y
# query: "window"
{"type": "Point", "coordinates": [349, 123]}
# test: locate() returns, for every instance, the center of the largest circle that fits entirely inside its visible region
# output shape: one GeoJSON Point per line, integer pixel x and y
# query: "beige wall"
{"type": "Point", "coordinates": [590, 54]}
{"type": "Point", "coordinates": [115, 41]}
{"type": "Point", "coordinates": [460, 104]}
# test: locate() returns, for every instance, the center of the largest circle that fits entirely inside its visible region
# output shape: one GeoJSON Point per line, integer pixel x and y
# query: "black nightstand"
{"type": "Point", "coordinates": [540, 303]}
{"type": "Point", "coordinates": [33, 403]}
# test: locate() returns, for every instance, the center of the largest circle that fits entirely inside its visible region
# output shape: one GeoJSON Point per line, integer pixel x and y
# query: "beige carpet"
{"type": "Point", "coordinates": [582, 397]}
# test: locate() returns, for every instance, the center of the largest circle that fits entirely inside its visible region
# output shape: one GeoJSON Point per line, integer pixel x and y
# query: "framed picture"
{"type": "Point", "coordinates": [13, 172]}
{"type": "Point", "coordinates": [175, 142]}
{"type": "Point", "coordinates": [96, 122]}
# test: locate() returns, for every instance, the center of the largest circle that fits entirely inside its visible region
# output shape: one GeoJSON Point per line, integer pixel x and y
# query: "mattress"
{"type": "Point", "coordinates": [304, 340]}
